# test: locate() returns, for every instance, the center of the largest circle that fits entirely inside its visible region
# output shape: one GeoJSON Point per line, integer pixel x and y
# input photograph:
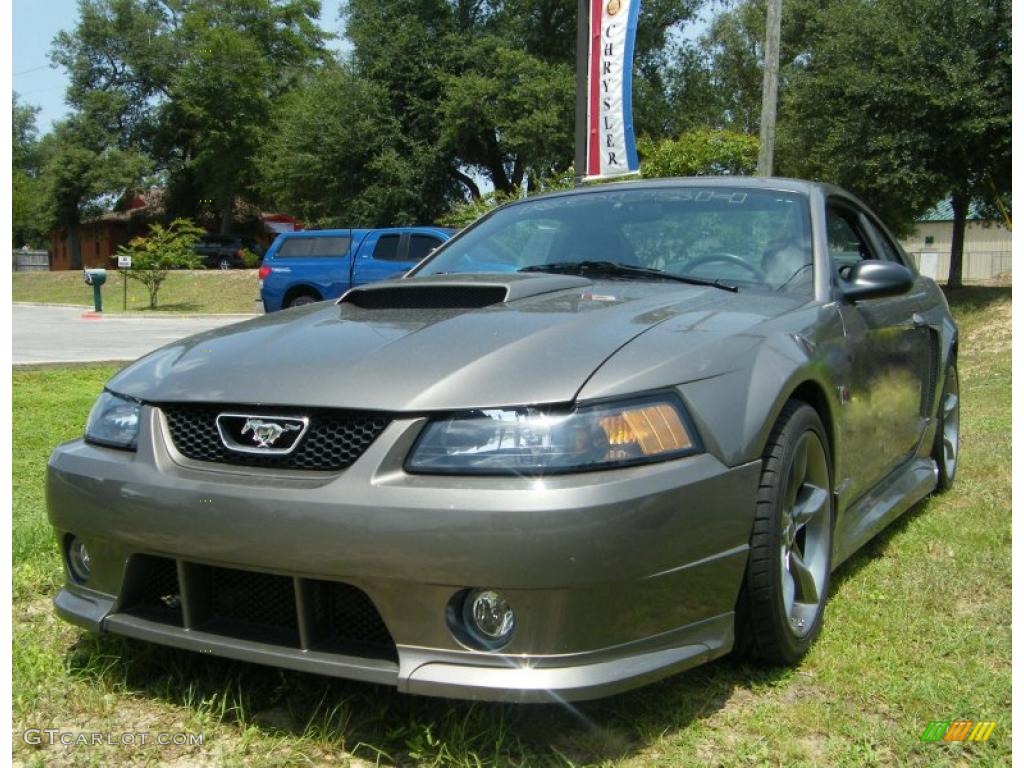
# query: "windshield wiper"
{"type": "Point", "coordinates": [615, 269]}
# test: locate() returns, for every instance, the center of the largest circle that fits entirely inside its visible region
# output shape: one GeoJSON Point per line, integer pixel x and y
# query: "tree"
{"type": "Point", "coordinates": [904, 102]}
{"type": "Point", "coordinates": [506, 113]}
{"type": "Point", "coordinates": [29, 220]}
{"type": "Point", "coordinates": [83, 167]}
{"type": "Point", "coordinates": [166, 248]}
{"type": "Point", "coordinates": [335, 156]}
{"type": "Point", "coordinates": [716, 81]}
{"type": "Point", "coordinates": [485, 87]}
{"type": "Point", "coordinates": [190, 84]}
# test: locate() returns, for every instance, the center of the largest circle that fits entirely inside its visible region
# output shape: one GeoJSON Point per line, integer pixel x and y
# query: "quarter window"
{"type": "Point", "coordinates": [889, 251]}
{"type": "Point", "coordinates": [847, 243]}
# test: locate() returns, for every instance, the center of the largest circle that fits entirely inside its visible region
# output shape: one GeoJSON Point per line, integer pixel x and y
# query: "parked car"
{"type": "Point", "coordinates": [305, 267]}
{"type": "Point", "coordinates": [225, 251]}
{"type": "Point", "coordinates": [600, 437]}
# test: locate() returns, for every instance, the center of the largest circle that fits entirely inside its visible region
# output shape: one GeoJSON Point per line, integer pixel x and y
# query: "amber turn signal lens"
{"type": "Point", "coordinates": [653, 429]}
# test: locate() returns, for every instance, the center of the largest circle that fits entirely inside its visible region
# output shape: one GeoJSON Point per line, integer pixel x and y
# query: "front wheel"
{"type": "Point", "coordinates": [946, 449]}
{"type": "Point", "coordinates": [782, 601]}
{"type": "Point", "coordinates": [224, 264]}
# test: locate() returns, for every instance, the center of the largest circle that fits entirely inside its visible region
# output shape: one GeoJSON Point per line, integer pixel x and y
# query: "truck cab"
{"type": "Point", "coordinates": [304, 267]}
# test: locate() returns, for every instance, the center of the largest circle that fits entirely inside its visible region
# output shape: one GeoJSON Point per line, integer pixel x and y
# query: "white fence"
{"type": "Point", "coordinates": [978, 265]}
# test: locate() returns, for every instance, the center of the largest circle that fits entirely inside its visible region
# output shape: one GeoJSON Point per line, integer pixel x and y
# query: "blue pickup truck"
{"type": "Point", "coordinates": [303, 267]}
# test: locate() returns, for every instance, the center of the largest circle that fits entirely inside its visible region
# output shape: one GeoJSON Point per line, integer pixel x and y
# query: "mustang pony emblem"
{"type": "Point", "coordinates": [266, 433]}
{"type": "Point", "coordinates": [248, 433]}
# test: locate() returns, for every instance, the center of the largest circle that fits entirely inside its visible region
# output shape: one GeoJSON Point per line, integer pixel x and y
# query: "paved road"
{"type": "Point", "coordinates": [62, 335]}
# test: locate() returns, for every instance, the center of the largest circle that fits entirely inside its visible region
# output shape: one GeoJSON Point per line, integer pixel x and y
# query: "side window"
{"type": "Point", "coordinates": [847, 243]}
{"type": "Point", "coordinates": [420, 246]}
{"type": "Point", "coordinates": [387, 248]}
{"type": "Point", "coordinates": [330, 246]}
{"type": "Point", "coordinates": [305, 247]}
{"type": "Point", "coordinates": [295, 248]}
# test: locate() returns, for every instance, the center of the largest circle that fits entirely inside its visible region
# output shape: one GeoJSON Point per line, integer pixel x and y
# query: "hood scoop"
{"type": "Point", "coordinates": [457, 291]}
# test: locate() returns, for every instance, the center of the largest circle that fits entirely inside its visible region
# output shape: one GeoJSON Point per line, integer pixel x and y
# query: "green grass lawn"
{"type": "Point", "coordinates": [206, 291]}
{"type": "Point", "coordinates": [918, 629]}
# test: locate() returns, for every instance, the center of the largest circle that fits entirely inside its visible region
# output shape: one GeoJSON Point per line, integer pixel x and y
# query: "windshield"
{"type": "Point", "coordinates": [749, 238]}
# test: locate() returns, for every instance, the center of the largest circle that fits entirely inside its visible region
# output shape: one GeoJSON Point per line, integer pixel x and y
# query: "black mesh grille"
{"type": "Point", "coordinates": [348, 617]}
{"type": "Point", "coordinates": [334, 440]}
{"type": "Point", "coordinates": [262, 607]}
{"type": "Point", "coordinates": [255, 598]}
{"type": "Point", "coordinates": [152, 589]}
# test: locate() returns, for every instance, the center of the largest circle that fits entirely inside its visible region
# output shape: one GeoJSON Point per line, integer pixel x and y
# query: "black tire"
{"type": "Point", "coordinates": [301, 300]}
{"type": "Point", "coordinates": [947, 429]}
{"type": "Point", "coordinates": [766, 629]}
{"type": "Point", "coordinates": [224, 264]}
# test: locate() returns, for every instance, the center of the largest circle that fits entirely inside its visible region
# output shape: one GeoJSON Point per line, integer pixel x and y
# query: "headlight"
{"type": "Point", "coordinates": [114, 422]}
{"type": "Point", "coordinates": [536, 441]}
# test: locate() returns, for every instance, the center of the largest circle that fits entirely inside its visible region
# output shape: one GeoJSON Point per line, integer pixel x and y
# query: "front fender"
{"type": "Point", "coordinates": [736, 410]}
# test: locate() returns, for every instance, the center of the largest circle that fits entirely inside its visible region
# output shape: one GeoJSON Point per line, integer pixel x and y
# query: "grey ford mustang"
{"type": "Point", "coordinates": [597, 438]}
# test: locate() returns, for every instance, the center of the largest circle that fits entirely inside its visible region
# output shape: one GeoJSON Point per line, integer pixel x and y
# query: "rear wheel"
{"type": "Point", "coordinates": [302, 299]}
{"type": "Point", "coordinates": [224, 264]}
{"type": "Point", "coordinates": [946, 450]}
{"type": "Point", "coordinates": [782, 601]}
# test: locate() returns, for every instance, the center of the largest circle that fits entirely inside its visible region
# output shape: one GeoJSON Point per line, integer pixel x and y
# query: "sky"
{"type": "Point", "coordinates": [36, 22]}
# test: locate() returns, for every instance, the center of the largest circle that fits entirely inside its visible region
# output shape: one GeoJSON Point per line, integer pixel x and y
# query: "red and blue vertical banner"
{"type": "Point", "coordinates": [610, 141]}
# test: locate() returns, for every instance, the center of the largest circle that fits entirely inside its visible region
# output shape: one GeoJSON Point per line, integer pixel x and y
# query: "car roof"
{"type": "Point", "coordinates": [345, 231]}
{"type": "Point", "coordinates": [778, 183]}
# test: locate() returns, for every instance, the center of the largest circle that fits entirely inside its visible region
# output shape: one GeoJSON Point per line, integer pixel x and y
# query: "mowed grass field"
{"type": "Point", "coordinates": [917, 629]}
{"type": "Point", "coordinates": [201, 291]}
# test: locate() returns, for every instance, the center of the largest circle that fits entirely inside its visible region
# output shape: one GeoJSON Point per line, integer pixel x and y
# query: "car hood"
{"type": "Point", "coordinates": [539, 345]}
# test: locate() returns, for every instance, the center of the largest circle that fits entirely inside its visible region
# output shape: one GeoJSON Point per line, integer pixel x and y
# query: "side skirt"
{"type": "Point", "coordinates": [888, 500]}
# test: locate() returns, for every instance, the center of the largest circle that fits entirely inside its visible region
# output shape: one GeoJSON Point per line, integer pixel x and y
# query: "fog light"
{"type": "Point", "coordinates": [489, 616]}
{"type": "Point", "coordinates": [78, 560]}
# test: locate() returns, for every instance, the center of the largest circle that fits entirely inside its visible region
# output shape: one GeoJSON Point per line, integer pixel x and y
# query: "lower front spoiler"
{"type": "Point", "coordinates": [457, 675]}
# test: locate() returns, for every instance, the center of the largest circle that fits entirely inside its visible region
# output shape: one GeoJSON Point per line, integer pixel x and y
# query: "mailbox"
{"type": "Point", "coordinates": [96, 278]}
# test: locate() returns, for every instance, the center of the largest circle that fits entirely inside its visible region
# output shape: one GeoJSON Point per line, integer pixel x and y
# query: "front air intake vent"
{"type": "Point", "coordinates": [471, 291]}
{"type": "Point", "coordinates": [426, 296]}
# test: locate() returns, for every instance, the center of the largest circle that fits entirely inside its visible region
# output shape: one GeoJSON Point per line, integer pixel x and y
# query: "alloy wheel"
{"type": "Point", "coordinates": [805, 534]}
{"type": "Point", "coordinates": [951, 423]}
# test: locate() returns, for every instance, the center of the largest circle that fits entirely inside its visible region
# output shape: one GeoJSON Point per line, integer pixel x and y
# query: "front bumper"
{"type": "Point", "coordinates": [617, 578]}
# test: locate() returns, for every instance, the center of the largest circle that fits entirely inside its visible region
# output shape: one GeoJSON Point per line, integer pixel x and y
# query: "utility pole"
{"type": "Point", "coordinates": [582, 66]}
{"type": "Point", "coordinates": [770, 89]}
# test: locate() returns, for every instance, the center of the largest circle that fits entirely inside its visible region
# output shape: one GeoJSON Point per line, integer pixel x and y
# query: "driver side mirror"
{"type": "Point", "coordinates": [874, 279]}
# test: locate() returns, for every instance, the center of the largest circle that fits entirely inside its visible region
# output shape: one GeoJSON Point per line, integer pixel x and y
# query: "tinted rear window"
{"type": "Point", "coordinates": [303, 247]}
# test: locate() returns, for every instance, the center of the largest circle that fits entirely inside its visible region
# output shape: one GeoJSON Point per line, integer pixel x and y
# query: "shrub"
{"type": "Point", "coordinates": [165, 248]}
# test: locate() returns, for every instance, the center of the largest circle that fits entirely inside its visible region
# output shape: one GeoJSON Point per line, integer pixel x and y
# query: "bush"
{"type": "Point", "coordinates": [703, 152]}
{"type": "Point", "coordinates": [165, 249]}
{"type": "Point", "coordinates": [249, 259]}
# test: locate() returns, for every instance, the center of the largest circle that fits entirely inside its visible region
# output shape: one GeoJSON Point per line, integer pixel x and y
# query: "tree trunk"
{"type": "Point", "coordinates": [961, 203]}
{"type": "Point", "coordinates": [496, 167]}
{"type": "Point", "coordinates": [227, 214]}
{"type": "Point", "coordinates": [469, 183]}
{"type": "Point", "coordinates": [518, 169]}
